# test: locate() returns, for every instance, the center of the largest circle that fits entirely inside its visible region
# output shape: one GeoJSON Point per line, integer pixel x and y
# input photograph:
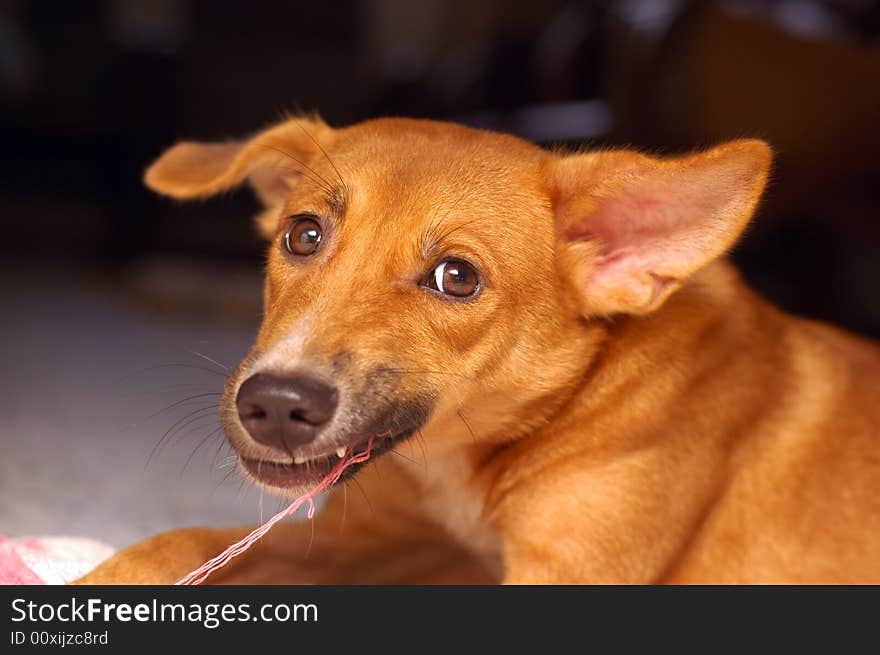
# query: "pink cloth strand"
{"type": "Point", "coordinates": [200, 574]}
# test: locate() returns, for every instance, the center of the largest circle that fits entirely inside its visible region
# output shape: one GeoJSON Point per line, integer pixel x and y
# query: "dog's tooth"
{"type": "Point", "coordinates": [340, 452]}
{"type": "Point", "coordinates": [299, 459]}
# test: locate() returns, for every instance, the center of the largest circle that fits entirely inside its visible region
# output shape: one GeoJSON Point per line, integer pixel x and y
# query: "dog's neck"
{"type": "Point", "coordinates": [713, 339]}
{"type": "Point", "coordinates": [651, 368]}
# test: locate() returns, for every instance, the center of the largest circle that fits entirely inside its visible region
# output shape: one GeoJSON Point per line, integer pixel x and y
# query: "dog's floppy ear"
{"type": "Point", "coordinates": [631, 228]}
{"type": "Point", "coordinates": [271, 160]}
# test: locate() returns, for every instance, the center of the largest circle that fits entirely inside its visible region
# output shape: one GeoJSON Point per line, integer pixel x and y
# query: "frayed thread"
{"type": "Point", "coordinates": [200, 574]}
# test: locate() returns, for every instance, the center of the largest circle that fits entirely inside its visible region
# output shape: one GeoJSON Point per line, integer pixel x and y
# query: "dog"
{"type": "Point", "coordinates": [561, 377]}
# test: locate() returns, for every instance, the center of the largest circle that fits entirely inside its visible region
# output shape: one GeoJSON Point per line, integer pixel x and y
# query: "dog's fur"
{"type": "Point", "coordinates": [614, 405]}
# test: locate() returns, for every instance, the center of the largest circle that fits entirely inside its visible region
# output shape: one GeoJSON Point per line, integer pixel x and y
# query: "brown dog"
{"type": "Point", "coordinates": [567, 383]}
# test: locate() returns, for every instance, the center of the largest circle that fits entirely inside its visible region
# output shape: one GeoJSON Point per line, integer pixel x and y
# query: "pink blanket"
{"type": "Point", "coordinates": [49, 560]}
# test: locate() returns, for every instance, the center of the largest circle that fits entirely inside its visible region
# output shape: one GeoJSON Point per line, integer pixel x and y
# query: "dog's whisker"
{"type": "Point", "coordinates": [198, 447]}
{"type": "Point", "coordinates": [431, 236]}
{"type": "Point", "coordinates": [281, 166]}
{"type": "Point", "coordinates": [323, 152]}
{"type": "Point", "coordinates": [411, 446]}
{"type": "Point", "coordinates": [467, 425]}
{"type": "Point", "coordinates": [344, 507]}
{"type": "Point", "coordinates": [155, 367]}
{"type": "Point", "coordinates": [311, 537]}
{"type": "Point", "coordinates": [208, 359]}
{"type": "Point", "coordinates": [316, 177]}
{"type": "Point", "coordinates": [420, 439]}
{"type": "Point", "coordinates": [225, 477]}
{"type": "Point", "coordinates": [190, 419]}
{"type": "Point", "coordinates": [394, 451]}
{"type": "Point", "coordinates": [176, 427]}
{"type": "Point", "coordinates": [220, 444]}
{"type": "Point", "coordinates": [179, 385]}
{"type": "Point", "coordinates": [443, 236]}
{"type": "Point", "coordinates": [194, 430]}
{"type": "Point", "coordinates": [239, 495]}
{"type": "Point", "coordinates": [183, 401]}
{"type": "Point", "coordinates": [227, 463]}
{"type": "Point", "coordinates": [363, 493]}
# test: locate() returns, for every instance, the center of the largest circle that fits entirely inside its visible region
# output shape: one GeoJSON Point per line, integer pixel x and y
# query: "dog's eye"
{"type": "Point", "coordinates": [454, 277]}
{"type": "Point", "coordinates": [303, 236]}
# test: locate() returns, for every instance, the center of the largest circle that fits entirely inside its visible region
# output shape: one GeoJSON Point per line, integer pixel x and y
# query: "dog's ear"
{"type": "Point", "coordinates": [631, 228]}
{"type": "Point", "coordinates": [271, 161]}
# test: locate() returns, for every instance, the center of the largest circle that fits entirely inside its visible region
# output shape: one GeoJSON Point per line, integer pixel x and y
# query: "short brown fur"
{"type": "Point", "coordinates": [615, 406]}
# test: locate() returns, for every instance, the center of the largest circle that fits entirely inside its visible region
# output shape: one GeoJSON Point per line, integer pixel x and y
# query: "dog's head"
{"type": "Point", "coordinates": [427, 277]}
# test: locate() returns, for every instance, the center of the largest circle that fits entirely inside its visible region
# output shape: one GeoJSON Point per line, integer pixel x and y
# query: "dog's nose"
{"type": "Point", "coordinates": [285, 412]}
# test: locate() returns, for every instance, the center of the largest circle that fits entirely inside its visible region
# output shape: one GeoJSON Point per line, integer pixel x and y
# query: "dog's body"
{"type": "Point", "coordinates": [609, 404]}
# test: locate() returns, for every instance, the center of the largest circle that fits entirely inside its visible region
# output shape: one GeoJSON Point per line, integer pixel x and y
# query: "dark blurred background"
{"type": "Point", "coordinates": [100, 277]}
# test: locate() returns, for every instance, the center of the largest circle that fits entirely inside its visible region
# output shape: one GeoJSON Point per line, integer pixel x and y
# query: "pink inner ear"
{"type": "Point", "coordinates": [649, 237]}
{"type": "Point", "coordinates": [636, 221]}
{"type": "Point", "coordinates": [648, 224]}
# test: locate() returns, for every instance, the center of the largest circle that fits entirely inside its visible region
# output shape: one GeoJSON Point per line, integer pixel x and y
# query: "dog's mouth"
{"type": "Point", "coordinates": [305, 472]}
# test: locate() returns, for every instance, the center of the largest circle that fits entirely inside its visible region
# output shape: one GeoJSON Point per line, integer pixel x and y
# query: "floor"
{"type": "Point", "coordinates": [91, 380]}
